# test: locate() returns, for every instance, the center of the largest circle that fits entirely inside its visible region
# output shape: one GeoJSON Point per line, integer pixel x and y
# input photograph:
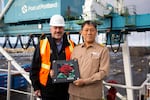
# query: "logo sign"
{"type": "Point", "coordinates": [25, 8]}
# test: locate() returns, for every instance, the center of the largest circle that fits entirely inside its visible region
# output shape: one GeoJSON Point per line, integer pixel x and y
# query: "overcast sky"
{"type": "Point", "coordinates": [142, 6]}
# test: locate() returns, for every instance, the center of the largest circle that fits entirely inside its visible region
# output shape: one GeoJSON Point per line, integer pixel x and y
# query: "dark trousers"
{"type": "Point", "coordinates": [55, 98]}
{"type": "Point", "coordinates": [55, 92]}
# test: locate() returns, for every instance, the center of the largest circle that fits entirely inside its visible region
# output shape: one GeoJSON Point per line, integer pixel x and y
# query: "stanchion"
{"type": "Point", "coordinates": [8, 79]}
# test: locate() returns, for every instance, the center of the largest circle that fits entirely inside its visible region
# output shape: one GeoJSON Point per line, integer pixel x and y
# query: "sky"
{"type": "Point", "coordinates": [142, 6]}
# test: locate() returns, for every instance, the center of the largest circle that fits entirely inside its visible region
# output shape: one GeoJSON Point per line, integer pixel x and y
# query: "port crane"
{"type": "Point", "coordinates": [31, 18]}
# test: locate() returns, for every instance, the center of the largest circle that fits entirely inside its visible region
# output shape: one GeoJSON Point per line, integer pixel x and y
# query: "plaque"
{"type": "Point", "coordinates": [65, 71]}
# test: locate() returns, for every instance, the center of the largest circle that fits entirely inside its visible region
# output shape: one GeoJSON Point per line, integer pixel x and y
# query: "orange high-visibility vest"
{"type": "Point", "coordinates": [69, 49]}
{"type": "Point", "coordinates": [45, 58]}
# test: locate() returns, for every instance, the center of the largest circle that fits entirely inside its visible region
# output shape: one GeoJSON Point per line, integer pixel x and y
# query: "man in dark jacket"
{"type": "Point", "coordinates": [58, 42]}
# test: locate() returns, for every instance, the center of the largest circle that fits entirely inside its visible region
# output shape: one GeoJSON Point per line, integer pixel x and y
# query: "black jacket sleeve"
{"type": "Point", "coordinates": [35, 68]}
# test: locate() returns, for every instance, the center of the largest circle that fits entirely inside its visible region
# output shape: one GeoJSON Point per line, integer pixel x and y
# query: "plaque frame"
{"type": "Point", "coordinates": [65, 71]}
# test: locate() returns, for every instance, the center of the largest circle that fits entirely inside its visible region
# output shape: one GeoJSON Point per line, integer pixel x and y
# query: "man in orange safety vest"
{"type": "Point", "coordinates": [50, 47]}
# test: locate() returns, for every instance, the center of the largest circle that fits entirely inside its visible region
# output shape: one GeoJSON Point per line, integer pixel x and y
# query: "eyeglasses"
{"type": "Point", "coordinates": [89, 30]}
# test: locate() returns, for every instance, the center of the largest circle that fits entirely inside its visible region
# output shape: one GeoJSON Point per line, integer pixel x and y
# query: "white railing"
{"type": "Point", "coordinates": [9, 74]}
{"type": "Point", "coordinates": [144, 89]}
{"type": "Point", "coordinates": [108, 85]}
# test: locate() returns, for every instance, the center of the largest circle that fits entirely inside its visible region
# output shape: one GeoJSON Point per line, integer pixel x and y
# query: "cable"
{"type": "Point", "coordinates": [7, 39]}
{"type": "Point", "coordinates": [16, 42]}
{"type": "Point", "coordinates": [118, 41]}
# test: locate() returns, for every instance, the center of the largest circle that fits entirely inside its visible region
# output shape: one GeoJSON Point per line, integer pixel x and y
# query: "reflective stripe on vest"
{"type": "Point", "coordinates": [43, 46]}
{"type": "Point", "coordinates": [45, 59]}
{"type": "Point", "coordinates": [45, 66]}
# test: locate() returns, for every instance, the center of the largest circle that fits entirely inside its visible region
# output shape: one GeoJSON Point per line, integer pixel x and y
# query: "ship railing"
{"type": "Point", "coordinates": [11, 72]}
{"type": "Point", "coordinates": [143, 89]}
{"type": "Point", "coordinates": [140, 88]}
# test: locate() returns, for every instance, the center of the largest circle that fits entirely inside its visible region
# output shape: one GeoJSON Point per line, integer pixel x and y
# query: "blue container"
{"type": "Point", "coordinates": [27, 10]}
{"type": "Point", "coordinates": [18, 81]}
{"type": "Point", "coordinates": [3, 81]}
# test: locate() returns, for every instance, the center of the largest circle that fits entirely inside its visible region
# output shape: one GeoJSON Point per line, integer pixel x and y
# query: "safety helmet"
{"type": "Point", "coordinates": [57, 20]}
